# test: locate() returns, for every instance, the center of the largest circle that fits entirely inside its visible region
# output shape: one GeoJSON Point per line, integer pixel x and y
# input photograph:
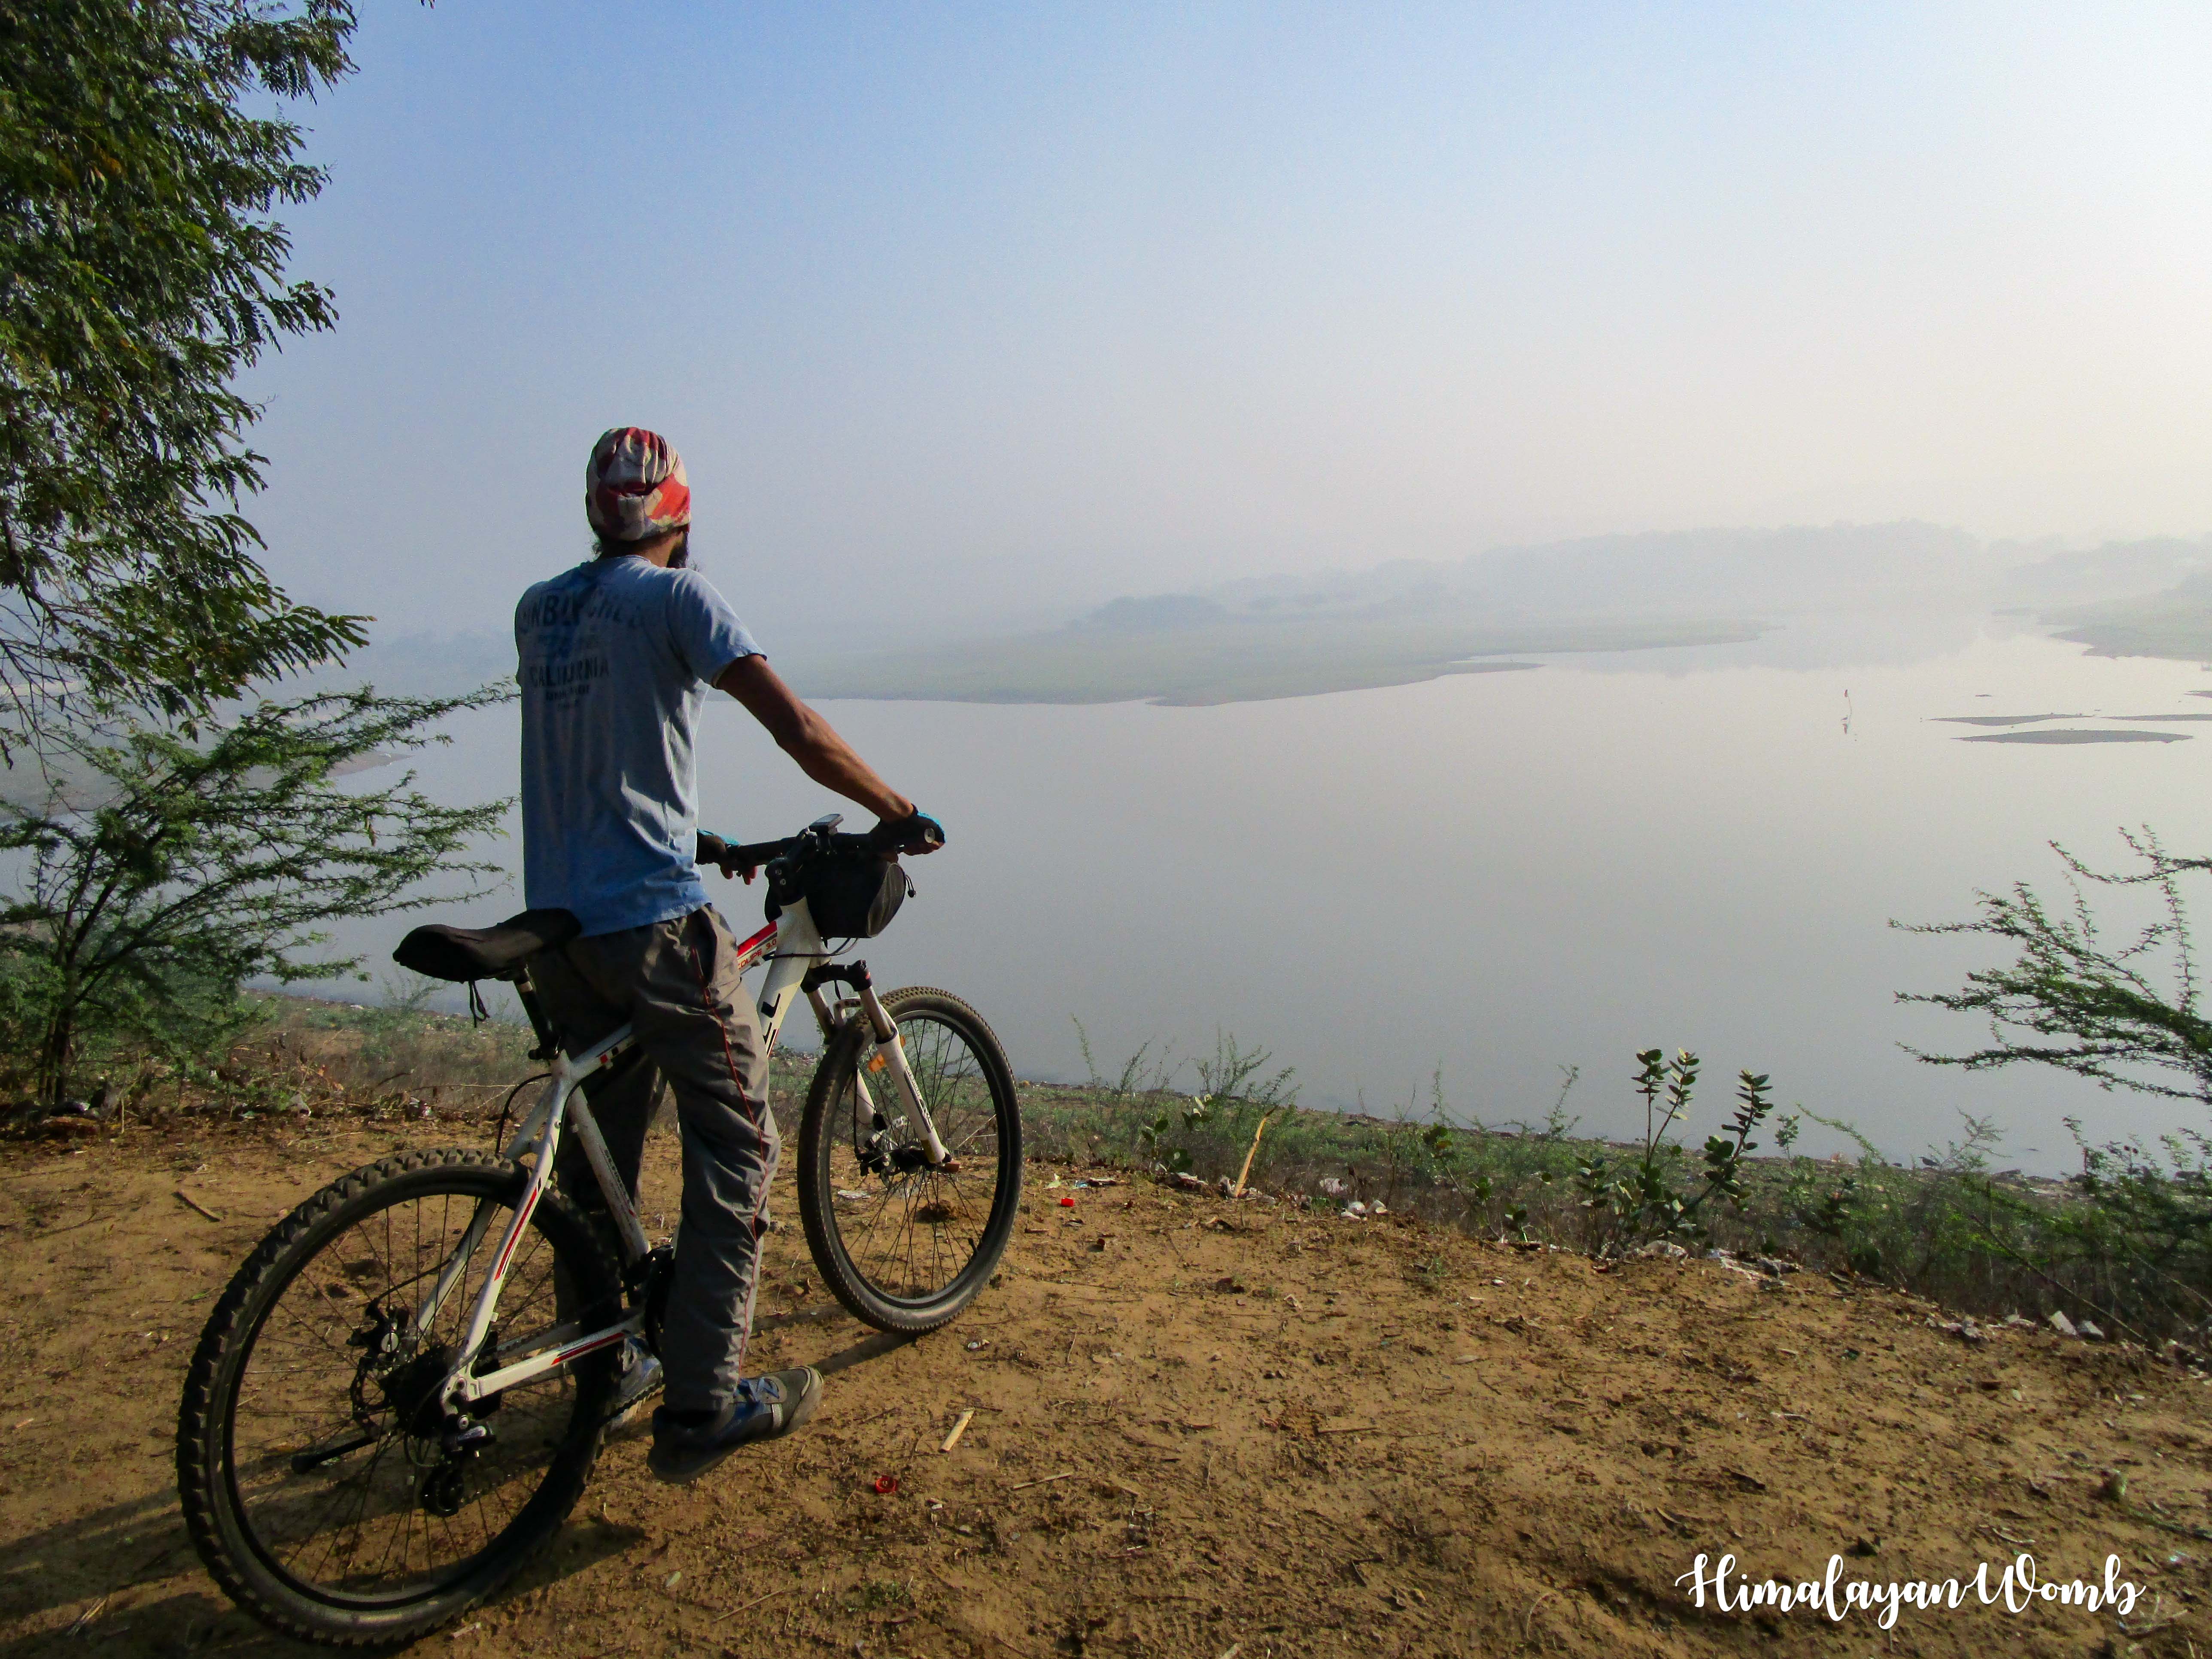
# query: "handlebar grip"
{"type": "Point", "coordinates": [917, 832]}
{"type": "Point", "coordinates": [747, 855]}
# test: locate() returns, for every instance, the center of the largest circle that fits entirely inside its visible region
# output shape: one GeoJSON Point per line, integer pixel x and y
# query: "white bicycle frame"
{"type": "Point", "coordinates": [791, 945]}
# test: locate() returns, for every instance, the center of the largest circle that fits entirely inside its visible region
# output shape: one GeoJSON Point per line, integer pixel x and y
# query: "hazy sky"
{"type": "Point", "coordinates": [1012, 308]}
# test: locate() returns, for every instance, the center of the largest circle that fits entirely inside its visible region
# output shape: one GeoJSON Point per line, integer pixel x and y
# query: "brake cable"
{"type": "Point", "coordinates": [506, 1106]}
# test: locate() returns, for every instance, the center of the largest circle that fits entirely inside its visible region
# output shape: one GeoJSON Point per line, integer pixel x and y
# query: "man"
{"type": "Point", "coordinates": [615, 659]}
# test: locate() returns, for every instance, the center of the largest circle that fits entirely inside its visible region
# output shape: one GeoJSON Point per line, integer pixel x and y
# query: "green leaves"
{"type": "Point", "coordinates": [139, 276]}
{"type": "Point", "coordinates": [164, 870]}
{"type": "Point", "coordinates": [1153, 1138]}
{"type": "Point", "coordinates": [1642, 1201]}
{"type": "Point", "coordinates": [2133, 1244]}
{"type": "Point", "coordinates": [1651, 1073]}
{"type": "Point", "coordinates": [2124, 1015]}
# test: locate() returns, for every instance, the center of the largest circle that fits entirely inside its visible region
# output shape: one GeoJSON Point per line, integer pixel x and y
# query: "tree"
{"type": "Point", "coordinates": [2133, 1243]}
{"type": "Point", "coordinates": [166, 871]}
{"type": "Point", "coordinates": [2128, 1016]}
{"type": "Point", "coordinates": [140, 273]}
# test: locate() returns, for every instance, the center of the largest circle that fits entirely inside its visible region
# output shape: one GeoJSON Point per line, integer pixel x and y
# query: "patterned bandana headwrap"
{"type": "Point", "coordinates": [634, 486]}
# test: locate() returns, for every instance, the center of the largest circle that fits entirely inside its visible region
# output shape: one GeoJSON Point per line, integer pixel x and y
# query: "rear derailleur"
{"type": "Point", "coordinates": [441, 1442]}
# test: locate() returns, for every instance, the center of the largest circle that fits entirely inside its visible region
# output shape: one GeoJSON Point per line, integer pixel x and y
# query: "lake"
{"type": "Point", "coordinates": [1492, 876]}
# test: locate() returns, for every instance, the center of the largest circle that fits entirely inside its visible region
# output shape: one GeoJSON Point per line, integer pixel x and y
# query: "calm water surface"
{"type": "Point", "coordinates": [1501, 875]}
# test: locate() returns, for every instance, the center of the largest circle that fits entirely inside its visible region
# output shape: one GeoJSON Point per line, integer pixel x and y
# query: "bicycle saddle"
{"type": "Point", "coordinates": [471, 953]}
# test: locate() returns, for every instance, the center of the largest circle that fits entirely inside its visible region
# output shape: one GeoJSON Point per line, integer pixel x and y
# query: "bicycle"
{"type": "Point", "coordinates": [400, 1395]}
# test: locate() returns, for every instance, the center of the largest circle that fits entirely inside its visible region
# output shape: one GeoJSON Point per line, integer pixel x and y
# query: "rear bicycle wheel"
{"type": "Point", "coordinates": [905, 1246]}
{"type": "Point", "coordinates": [321, 1485]}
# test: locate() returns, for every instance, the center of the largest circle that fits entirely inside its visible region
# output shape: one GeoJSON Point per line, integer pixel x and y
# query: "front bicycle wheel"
{"type": "Point", "coordinates": [324, 1487]}
{"type": "Point", "coordinates": [904, 1245]}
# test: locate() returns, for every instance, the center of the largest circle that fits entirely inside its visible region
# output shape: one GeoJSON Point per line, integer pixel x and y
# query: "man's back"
{"type": "Point", "coordinates": [614, 657]}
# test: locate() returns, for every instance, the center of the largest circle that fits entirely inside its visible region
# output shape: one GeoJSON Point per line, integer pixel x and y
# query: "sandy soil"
{"type": "Point", "coordinates": [1201, 1429]}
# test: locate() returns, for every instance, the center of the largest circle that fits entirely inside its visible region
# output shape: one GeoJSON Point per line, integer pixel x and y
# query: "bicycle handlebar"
{"type": "Point", "coordinates": [753, 855]}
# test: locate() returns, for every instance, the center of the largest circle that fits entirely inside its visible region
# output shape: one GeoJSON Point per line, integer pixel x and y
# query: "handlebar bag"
{"type": "Point", "coordinates": [852, 895]}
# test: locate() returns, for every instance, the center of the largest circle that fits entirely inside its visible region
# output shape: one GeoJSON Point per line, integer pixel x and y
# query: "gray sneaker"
{"type": "Point", "coordinates": [766, 1408]}
{"type": "Point", "coordinates": [638, 1381]}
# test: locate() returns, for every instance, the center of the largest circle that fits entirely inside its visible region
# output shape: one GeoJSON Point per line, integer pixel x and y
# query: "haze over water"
{"type": "Point", "coordinates": [1505, 874]}
{"type": "Point", "coordinates": [967, 317]}
{"type": "Point", "coordinates": [969, 321]}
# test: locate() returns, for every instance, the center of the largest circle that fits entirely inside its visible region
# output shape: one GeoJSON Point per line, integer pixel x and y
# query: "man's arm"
{"type": "Point", "coordinates": [808, 739]}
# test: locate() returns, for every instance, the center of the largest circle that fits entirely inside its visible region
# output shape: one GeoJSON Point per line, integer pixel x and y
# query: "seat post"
{"type": "Point", "coordinates": [549, 1044]}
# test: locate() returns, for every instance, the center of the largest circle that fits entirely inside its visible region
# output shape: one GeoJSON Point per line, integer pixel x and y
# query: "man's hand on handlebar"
{"type": "Point", "coordinates": [713, 850]}
{"type": "Point", "coordinates": [916, 833]}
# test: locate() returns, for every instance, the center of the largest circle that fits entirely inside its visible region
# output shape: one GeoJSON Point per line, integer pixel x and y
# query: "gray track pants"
{"type": "Point", "coordinates": [676, 983]}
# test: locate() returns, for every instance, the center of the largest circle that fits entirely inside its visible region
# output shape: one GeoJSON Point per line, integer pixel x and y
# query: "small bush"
{"type": "Point", "coordinates": [2131, 1241]}
{"type": "Point", "coordinates": [2122, 1242]}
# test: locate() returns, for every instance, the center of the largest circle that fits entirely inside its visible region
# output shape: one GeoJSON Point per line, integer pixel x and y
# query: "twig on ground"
{"type": "Point", "coordinates": [755, 1602]}
{"type": "Point", "coordinates": [2182, 1528]}
{"type": "Point", "coordinates": [1528, 1619]}
{"type": "Point", "coordinates": [193, 1203]}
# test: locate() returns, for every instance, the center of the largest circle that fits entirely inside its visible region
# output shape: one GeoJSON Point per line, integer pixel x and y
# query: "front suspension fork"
{"type": "Point", "coordinates": [890, 1054]}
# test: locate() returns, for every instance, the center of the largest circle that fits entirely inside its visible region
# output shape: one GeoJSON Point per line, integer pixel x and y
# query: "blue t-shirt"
{"type": "Point", "coordinates": [615, 658]}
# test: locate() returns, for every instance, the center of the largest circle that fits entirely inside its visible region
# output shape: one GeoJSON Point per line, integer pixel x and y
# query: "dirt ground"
{"type": "Point", "coordinates": [1201, 1428]}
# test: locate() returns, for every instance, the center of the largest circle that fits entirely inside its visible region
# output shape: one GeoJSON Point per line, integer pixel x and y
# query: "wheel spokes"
{"type": "Point", "coordinates": [910, 1232]}
{"type": "Point", "coordinates": [345, 1465]}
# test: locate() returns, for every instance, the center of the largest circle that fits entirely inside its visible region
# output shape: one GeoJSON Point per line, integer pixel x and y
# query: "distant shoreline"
{"type": "Point", "coordinates": [1235, 662]}
{"type": "Point", "coordinates": [2077, 734]}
